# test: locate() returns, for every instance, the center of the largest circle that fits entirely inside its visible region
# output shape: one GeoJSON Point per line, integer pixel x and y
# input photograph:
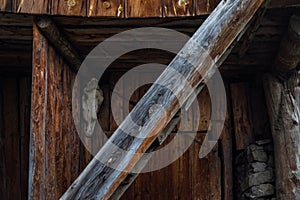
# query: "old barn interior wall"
{"type": "Point", "coordinates": [15, 91]}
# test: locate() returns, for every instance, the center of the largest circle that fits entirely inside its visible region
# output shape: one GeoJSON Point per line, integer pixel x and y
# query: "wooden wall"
{"type": "Point", "coordinates": [112, 8]}
{"type": "Point", "coordinates": [14, 135]}
{"type": "Point", "coordinates": [120, 8]}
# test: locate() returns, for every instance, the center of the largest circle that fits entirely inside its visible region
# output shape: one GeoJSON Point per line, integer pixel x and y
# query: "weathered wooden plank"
{"type": "Point", "coordinates": [53, 167]}
{"type": "Point", "coordinates": [24, 102]}
{"type": "Point", "coordinates": [53, 132]}
{"type": "Point", "coordinates": [200, 172]}
{"type": "Point", "coordinates": [33, 6]}
{"type": "Point", "coordinates": [215, 171]}
{"type": "Point", "coordinates": [215, 36]}
{"type": "Point", "coordinates": [205, 6]}
{"type": "Point", "coordinates": [68, 7]}
{"type": "Point", "coordinates": [37, 138]}
{"type": "Point", "coordinates": [74, 139]}
{"type": "Point", "coordinates": [6, 5]}
{"type": "Point", "coordinates": [12, 145]}
{"type": "Point", "coordinates": [242, 121]}
{"type": "Point", "coordinates": [226, 152]}
{"type": "Point", "coordinates": [259, 114]}
{"type": "Point", "coordinates": [137, 8]}
{"type": "Point", "coordinates": [107, 8]}
{"type": "Point", "coordinates": [176, 8]}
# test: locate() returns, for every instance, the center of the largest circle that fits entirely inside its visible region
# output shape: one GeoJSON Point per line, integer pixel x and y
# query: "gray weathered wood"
{"type": "Point", "coordinates": [209, 43]}
{"type": "Point", "coordinates": [282, 96]}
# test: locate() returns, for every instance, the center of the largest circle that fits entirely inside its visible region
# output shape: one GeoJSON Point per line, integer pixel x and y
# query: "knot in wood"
{"type": "Point", "coordinates": [71, 3]}
{"type": "Point", "coordinates": [106, 4]}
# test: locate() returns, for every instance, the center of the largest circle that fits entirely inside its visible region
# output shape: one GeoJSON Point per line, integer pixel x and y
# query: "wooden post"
{"type": "Point", "coordinates": [209, 43]}
{"type": "Point", "coordinates": [282, 96]}
{"type": "Point", "coordinates": [54, 154]}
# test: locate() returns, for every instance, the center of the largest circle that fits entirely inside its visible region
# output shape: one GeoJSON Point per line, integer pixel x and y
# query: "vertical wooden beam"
{"type": "Point", "coordinates": [282, 96]}
{"type": "Point", "coordinates": [6, 5]}
{"type": "Point", "coordinates": [53, 134]}
{"type": "Point", "coordinates": [244, 135]}
{"type": "Point", "coordinates": [39, 102]}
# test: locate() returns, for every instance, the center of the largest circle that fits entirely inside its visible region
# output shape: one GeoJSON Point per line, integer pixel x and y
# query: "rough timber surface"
{"type": "Point", "coordinates": [215, 39]}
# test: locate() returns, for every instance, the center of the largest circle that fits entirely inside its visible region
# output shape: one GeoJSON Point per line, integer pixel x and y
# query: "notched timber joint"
{"type": "Point", "coordinates": [59, 41]}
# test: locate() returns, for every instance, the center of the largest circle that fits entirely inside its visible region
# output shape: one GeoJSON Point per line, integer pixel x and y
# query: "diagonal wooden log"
{"type": "Point", "coordinates": [193, 65]}
{"type": "Point", "coordinates": [59, 41]}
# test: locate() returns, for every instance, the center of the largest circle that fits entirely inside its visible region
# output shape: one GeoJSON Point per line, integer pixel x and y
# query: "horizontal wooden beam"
{"type": "Point", "coordinates": [60, 43]}
{"type": "Point", "coordinates": [210, 42]}
{"type": "Point", "coordinates": [283, 3]}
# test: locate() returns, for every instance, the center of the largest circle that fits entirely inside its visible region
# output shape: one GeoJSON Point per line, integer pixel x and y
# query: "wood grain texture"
{"type": "Point", "coordinates": [172, 8]}
{"type": "Point", "coordinates": [37, 137]}
{"type": "Point", "coordinates": [206, 6]}
{"type": "Point", "coordinates": [138, 8]}
{"type": "Point", "coordinates": [283, 109]}
{"type": "Point", "coordinates": [54, 138]}
{"type": "Point", "coordinates": [215, 36]}
{"type": "Point", "coordinates": [107, 8]}
{"type": "Point", "coordinates": [68, 7]}
{"type": "Point", "coordinates": [6, 5]}
{"type": "Point", "coordinates": [34, 6]}
{"type": "Point", "coordinates": [242, 119]}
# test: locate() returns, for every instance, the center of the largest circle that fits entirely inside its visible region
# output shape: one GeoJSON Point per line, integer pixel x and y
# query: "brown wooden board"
{"type": "Point", "coordinates": [107, 8]}
{"type": "Point", "coordinates": [205, 6]}
{"type": "Point", "coordinates": [34, 7]}
{"type": "Point", "coordinates": [68, 7]}
{"type": "Point", "coordinates": [54, 138]}
{"type": "Point", "coordinates": [137, 8]}
{"type": "Point", "coordinates": [6, 5]}
{"type": "Point", "coordinates": [172, 8]}
{"type": "Point", "coordinates": [241, 115]}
